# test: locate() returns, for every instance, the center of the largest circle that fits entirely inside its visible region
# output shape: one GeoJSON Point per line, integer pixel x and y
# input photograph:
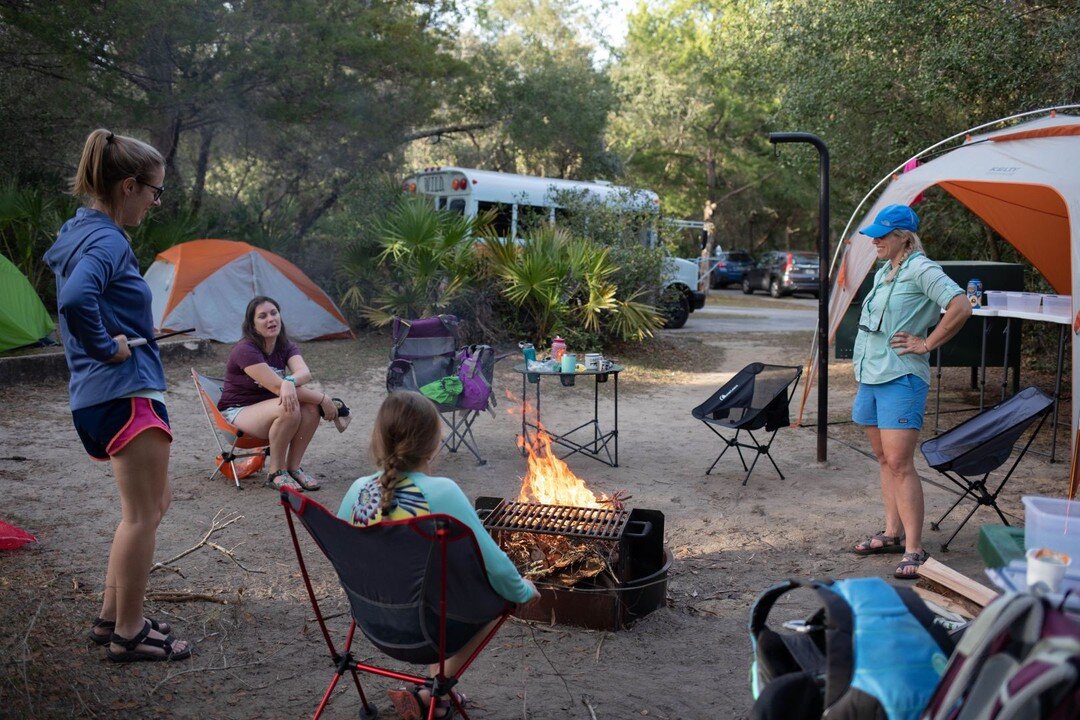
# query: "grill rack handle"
{"type": "Point", "coordinates": [632, 531]}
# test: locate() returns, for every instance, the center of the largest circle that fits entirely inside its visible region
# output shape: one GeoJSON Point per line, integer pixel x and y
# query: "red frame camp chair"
{"type": "Point", "coordinates": [417, 590]}
{"type": "Point", "coordinates": [209, 390]}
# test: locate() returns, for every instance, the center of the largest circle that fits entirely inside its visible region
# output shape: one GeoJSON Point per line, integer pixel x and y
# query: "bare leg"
{"type": "Point", "coordinates": [268, 419]}
{"type": "Point", "coordinates": [899, 449]}
{"type": "Point", "coordinates": [142, 476]}
{"type": "Point", "coordinates": [455, 662]}
{"type": "Point", "coordinates": [893, 525]}
{"type": "Point", "coordinates": [309, 421]}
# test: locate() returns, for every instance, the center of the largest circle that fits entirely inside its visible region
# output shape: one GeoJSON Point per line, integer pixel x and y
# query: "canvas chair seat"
{"type": "Point", "coordinates": [417, 590]}
{"type": "Point", "coordinates": [240, 446]}
{"type": "Point", "coordinates": [981, 445]}
{"type": "Point", "coordinates": [756, 398]}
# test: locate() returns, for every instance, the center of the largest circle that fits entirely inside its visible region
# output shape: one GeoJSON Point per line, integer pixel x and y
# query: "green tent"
{"type": "Point", "coordinates": [23, 318]}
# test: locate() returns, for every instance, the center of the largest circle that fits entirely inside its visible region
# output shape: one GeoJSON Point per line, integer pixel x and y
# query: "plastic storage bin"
{"type": "Point", "coordinates": [1024, 302]}
{"type": "Point", "coordinates": [996, 299]}
{"type": "Point", "coordinates": [1057, 305]}
{"type": "Point", "coordinates": [1052, 523]}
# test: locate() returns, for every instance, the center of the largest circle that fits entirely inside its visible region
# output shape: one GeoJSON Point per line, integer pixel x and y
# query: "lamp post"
{"type": "Point", "coordinates": [823, 279]}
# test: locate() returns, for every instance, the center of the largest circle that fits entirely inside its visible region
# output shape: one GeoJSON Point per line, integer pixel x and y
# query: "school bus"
{"type": "Point", "coordinates": [513, 198]}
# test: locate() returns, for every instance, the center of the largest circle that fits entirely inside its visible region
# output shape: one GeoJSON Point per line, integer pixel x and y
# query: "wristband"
{"type": "Point", "coordinates": [289, 378]}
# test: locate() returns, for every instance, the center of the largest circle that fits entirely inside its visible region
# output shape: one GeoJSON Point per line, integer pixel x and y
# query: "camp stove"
{"type": "Point", "coordinates": [632, 541]}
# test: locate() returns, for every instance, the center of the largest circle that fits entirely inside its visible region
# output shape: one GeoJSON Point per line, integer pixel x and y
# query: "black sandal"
{"type": "Point", "coordinates": [130, 653]}
{"type": "Point", "coordinates": [162, 627]}
{"type": "Point", "coordinates": [911, 559]}
{"type": "Point", "coordinates": [889, 544]}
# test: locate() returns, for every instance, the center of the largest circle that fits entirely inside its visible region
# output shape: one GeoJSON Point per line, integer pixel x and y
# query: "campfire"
{"type": "Point", "coordinates": [550, 547]}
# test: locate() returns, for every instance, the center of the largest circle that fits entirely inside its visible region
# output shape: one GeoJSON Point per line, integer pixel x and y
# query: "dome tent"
{"type": "Point", "coordinates": [23, 317]}
{"type": "Point", "coordinates": [207, 284]}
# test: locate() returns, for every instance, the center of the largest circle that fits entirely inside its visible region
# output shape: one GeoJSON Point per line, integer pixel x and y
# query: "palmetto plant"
{"type": "Point", "coordinates": [562, 282]}
{"type": "Point", "coordinates": [423, 261]}
{"type": "Point", "coordinates": [29, 221]}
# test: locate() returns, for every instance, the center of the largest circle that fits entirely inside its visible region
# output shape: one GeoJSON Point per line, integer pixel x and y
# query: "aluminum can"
{"type": "Point", "coordinates": [975, 292]}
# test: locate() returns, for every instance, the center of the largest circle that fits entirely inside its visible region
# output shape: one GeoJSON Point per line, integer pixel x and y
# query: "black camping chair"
{"type": "Point", "coordinates": [417, 589]}
{"type": "Point", "coordinates": [426, 350]}
{"type": "Point", "coordinates": [757, 397]}
{"type": "Point", "coordinates": [982, 444]}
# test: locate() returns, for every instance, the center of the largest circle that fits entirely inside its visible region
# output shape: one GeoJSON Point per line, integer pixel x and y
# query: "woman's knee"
{"type": "Point", "coordinates": [900, 465]}
{"type": "Point", "coordinates": [309, 411]}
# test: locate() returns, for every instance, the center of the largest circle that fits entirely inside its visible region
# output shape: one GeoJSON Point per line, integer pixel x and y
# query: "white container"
{"type": "Point", "coordinates": [1052, 523]}
{"type": "Point", "coordinates": [1025, 302]}
{"type": "Point", "coordinates": [996, 299]}
{"type": "Point", "coordinates": [1057, 305]}
{"type": "Point", "coordinates": [1046, 568]}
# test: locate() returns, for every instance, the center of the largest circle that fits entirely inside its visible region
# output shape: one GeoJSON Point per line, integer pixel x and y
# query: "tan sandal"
{"type": "Point", "coordinates": [889, 544]}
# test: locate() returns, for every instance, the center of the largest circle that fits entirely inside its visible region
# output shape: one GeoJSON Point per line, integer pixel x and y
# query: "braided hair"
{"type": "Point", "coordinates": [912, 244]}
{"type": "Point", "coordinates": [407, 435]}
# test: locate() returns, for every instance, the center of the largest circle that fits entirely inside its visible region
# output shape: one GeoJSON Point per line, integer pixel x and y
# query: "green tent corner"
{"type": "Point", "coordinates": [23, 318]}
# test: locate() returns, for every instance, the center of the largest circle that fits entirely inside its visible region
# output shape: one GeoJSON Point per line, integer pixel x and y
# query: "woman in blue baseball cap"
{"type": "Point", "coordinates": [892, 366]}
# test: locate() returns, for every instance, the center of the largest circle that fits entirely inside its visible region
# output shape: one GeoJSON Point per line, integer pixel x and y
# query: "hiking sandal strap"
{"type": "Point", "coordinates": [141, 638]}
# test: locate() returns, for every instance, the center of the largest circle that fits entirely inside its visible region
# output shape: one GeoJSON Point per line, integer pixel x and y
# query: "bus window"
{"type": "Point", "coordinates": [532, 216]}
{"type": "Point", "coordinates": [503, 222]}
{"type": "Point", "coordinates": [457, 205]}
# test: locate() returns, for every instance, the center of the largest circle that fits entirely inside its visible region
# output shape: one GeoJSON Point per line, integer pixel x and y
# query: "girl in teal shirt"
{"type": "Point", "coordinates": [407, 436]}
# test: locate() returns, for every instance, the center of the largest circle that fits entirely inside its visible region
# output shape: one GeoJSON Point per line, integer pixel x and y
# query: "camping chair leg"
{"type": "Point", "coordinates": [761, 450]}
{"type": "Point", "coordinates": [461, 434]}
{"type": "Point", "coordinates": [945, 545]}
{"type": "Point", "coordinates": [726, 448]}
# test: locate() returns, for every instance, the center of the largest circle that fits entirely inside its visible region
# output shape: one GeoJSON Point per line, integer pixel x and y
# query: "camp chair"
{"type": "Point", "coordinates": [757, 397]}
{"type": "Point", "coordinates": [417, 590]}
{"type": "Point", "coordinates": [425, 351]}
{"type": "Point", "coordinates": [982, 444]}
{"type": "Point", "coordinates": [209, 390]}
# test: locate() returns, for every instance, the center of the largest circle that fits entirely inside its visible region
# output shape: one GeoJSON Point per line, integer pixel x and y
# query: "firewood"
{"type": "Point", "coordinates": [944, 602]}
{"type": "Point", "coordinates": [957, 582]}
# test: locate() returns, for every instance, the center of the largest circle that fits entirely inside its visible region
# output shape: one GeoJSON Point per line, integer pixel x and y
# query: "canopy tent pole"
{"type": "Point", "coordinates": [823, 280]}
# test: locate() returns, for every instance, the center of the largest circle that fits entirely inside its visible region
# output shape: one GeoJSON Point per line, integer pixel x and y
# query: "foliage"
{"type": "Point", "coordinates": [29, 219]}
{"type": "Point", "coordinates": [565, 283]}
{"type": "Point", "coordinates": [423, 262]}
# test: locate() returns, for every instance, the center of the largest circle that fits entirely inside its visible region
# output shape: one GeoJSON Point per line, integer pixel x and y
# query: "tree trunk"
{"type": "Point", "coordinates": [206, 137]}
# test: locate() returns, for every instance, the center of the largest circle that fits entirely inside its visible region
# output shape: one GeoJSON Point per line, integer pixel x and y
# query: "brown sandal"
{"type": "Point", "coordinates": [889, 544]}
{"type": "Point", "coordinates": [911, 560]}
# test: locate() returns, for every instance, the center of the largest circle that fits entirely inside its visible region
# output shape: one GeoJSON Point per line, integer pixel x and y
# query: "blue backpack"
{"type": "Point", "coordinates": [871, 652]}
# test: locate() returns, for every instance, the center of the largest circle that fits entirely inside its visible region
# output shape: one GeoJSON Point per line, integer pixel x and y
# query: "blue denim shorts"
{"type": "Point", "coordinates": [895, 405]}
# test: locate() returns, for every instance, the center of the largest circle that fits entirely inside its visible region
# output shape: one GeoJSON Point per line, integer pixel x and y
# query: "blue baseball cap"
{"type": "Point", "coordinates": [894, 217]}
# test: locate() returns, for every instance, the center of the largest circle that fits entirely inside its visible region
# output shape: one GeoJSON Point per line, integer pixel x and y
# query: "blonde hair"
{"type": "Point", "coordinates": [912, 244]}
{"type": "Point", "coordinates": [107, 159]}
{"type": "Point", "coordinates": [407, 435]}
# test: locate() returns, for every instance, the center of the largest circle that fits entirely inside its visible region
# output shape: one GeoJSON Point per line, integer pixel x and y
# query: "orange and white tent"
{"type": "Point", "coordinates": [207, 284]}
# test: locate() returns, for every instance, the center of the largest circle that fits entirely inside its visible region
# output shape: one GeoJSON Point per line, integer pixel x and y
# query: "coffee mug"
{"type": "Point", "coordinates": [569, 362]}
{"type": "Point", "coordinates": [1046, 568]}
{"type": "Point", "coordinates": [593, 360]}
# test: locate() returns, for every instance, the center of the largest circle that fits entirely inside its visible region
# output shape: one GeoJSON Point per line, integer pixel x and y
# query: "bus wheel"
{"type": "Point", "coordinates": [675, 308]}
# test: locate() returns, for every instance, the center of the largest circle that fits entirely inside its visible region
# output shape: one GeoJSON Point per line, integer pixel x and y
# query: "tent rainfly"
{"type": "Point", "coordinates": [1024, 183]}
{"type": "Point", "coordinates": [207, 284]}
{"type": "Point", "coordinates": [23, 317]}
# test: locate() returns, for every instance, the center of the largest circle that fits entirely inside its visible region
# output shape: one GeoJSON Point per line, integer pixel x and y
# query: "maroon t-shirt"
{"type": "Point", "coordinates": [239, 389]}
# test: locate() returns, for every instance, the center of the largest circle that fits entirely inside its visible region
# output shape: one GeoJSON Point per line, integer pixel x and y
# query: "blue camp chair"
{"type": "Point", "coordinates": [982, 444]}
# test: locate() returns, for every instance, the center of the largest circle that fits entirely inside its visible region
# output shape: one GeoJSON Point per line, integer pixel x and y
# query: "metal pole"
{"type": "Point", "coordinates": [823, 279]}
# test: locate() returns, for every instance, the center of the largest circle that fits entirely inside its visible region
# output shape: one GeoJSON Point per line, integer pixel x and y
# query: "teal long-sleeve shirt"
{"type": "Point", "coordinates": [420, 494]}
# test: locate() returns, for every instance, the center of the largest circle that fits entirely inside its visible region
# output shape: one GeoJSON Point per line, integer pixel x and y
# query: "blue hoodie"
{"type": "Point", "coordinates": [100, 293]}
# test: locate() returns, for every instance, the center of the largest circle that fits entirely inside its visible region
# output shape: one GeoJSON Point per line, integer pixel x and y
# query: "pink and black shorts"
{"type": "Point", "coordinates": [106, 428]}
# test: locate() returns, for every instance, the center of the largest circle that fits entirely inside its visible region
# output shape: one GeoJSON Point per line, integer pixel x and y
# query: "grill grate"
{"type": "Point", "coordinates": [578, 522]}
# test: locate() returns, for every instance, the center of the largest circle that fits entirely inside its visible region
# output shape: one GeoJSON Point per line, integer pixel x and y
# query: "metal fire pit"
{"type": "Point", "coordinates": [603, 602]}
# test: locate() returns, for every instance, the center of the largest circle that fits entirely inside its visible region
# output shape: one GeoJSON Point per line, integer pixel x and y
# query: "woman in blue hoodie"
{"type": "Point", "coordinates": [117, 400]}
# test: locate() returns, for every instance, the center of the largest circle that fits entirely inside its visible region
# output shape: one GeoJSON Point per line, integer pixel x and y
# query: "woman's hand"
{"type": "Point", "coordinates": [123, 352]}
{"type": "Point", "coordinates": [329, 409]}
{"type": "Point", "coordinates": [907, 344]}
{"type": "Point", "coordinates": [287, 396]}
{"type": "Point", "coordinates": [535, 596]}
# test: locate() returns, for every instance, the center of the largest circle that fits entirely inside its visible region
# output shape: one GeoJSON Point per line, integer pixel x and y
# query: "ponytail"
{"type": "Point", "coordinates": [107, 159]}
{"type": "Point", "coordinates": [406, 436]}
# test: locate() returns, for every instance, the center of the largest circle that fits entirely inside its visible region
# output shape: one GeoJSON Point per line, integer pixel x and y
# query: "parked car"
{"type": "Point", "coordinates": [783, 272]}
{"type": "Point", "coordinates": [729, 267]}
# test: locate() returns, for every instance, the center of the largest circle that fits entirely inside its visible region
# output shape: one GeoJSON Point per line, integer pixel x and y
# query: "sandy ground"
{"type": "Point", "coordinates": [260, 654]}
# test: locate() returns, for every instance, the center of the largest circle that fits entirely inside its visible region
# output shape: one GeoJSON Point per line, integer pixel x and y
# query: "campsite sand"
{"type": "Point", "coordinates": [261, 654]}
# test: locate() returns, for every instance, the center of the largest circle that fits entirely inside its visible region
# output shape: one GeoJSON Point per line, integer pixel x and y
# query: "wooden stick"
{"type": "Point", "coordinates": [958, 583]}
{"type": "Point", "coordinates": [167, 596]}
{"type": "Point", "coordinates": [218, 524]}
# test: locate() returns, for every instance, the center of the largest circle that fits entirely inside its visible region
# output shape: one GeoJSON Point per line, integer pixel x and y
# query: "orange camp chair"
{"type": "Point", "coordinates": [255, 449]}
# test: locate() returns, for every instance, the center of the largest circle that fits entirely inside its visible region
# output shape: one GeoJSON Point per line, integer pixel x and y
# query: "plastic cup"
{"type": "Point", "coordinates": [1046, 569]}
{"type": "Point", "coordinates": [569, 362]}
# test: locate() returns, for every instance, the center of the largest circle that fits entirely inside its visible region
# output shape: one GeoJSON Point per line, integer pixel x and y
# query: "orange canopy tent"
{"type": "Point", "coordinates": [1024, 182]}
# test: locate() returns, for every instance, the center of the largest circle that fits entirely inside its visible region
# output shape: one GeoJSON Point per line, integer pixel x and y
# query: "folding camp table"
{"type": "Point", "coordinates": [604, 446]}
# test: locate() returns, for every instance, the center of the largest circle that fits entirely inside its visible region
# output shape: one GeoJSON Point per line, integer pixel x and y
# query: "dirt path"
{"type": "Point", "coordinates": [259, 651]}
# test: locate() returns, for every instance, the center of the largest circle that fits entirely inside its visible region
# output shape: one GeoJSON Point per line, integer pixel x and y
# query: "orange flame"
{"type": "Point", "coordinates": [549, 480]}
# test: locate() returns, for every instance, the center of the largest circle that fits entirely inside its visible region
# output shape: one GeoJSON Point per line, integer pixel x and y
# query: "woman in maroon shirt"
{"type": "Point", "coordinates": [264, 393]}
